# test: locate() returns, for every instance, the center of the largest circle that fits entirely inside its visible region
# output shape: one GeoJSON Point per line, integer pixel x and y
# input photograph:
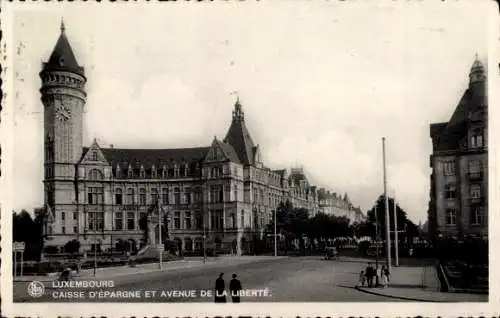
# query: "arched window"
{"type": "Point", "coordinates": [95, 174]}
{"type": "Point", "coordinates": [130, 172]}
{"type": "Point", "coordinates": [142, 172]}
{"type": "Point", "coordinates": [153, 172]}
{"type": "Point", "coordinates": [164, 172]}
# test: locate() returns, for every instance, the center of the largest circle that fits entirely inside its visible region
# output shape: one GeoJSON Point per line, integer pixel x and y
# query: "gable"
{"type": "Point", "coordinates": [94, 156]}
{"type": "Point", "coordinates": [220, 151]}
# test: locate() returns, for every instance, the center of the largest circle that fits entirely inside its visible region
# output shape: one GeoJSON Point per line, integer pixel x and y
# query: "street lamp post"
{"type": "Point", "coordinates": [95, 242]}
{"type": "Point", "coordinates": [376, 236]}
{"type": "Point", "coordinates": [204, 239]}
{"type": "Point", "coordinates": [275, 235]}
{"type": "Point", "coordinates": [387, 223]}
{"type": "Point", "coordinates": [160, 221]}
{"type": "Point", "coordinates": [396, 252]}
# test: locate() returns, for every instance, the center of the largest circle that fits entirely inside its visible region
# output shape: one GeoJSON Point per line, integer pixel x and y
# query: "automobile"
{"type": "Point", "coordinates": [372, 251]}
{"type": "Point", "coordinates": [331, 252]}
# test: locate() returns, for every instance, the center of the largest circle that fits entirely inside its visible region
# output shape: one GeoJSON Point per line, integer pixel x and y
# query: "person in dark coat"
{"type": "Point", "coordinates": [220, 289]}
{"type": "Point", "coordinates": [369, 272]}
{"type": "Point", "coordinates": [235, 287]}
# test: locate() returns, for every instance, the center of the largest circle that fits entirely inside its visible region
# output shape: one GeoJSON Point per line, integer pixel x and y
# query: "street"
{"type": "Point", "coordinates": [284, 279]}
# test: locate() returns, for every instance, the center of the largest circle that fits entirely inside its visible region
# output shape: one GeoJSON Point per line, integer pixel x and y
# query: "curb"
{"type": "Point", "coordinates": [364, 290]}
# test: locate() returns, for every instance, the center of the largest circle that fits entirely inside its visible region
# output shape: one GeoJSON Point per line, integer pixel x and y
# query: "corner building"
{"type": "Point", "coordinates": [98, 195]}
{"type": "Point", "coordinates": [459, 181]}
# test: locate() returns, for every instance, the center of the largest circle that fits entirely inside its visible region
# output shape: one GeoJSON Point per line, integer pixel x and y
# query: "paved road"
{"type": "Point", "coordinates": [286, 279]}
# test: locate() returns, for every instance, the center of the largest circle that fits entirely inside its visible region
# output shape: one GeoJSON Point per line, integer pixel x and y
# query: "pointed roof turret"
{"type": "Point", "coordinates": [477, 71]}
{"type": "Point", "coordinates": [239, 137]}
{"type": "Point", "coordinates": [62, 57]}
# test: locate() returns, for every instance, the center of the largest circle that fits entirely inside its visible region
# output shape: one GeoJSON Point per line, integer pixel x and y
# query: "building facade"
{"type": "Point", "coordinates": [334, 204]}
{"type": "Point", "coordinates": [459, 181]}
{"type": "Point", "coordinates": [98, 195]}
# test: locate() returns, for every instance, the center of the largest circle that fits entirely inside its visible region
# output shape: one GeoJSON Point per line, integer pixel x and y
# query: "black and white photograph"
{"type": "Point", "coordinates": [253, 154]}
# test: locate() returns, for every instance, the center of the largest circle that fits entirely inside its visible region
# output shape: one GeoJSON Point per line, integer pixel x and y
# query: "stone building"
{"type": "Point", "coordinates": [98, 195]}
{"type": "Point", "coordinates": [459, 181]}
{"type": "Point", "coordinates": [334, 204]}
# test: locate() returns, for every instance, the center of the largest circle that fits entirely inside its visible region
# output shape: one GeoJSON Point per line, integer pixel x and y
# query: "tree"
{"type": "Point", "coordinates": [404, 224]}
{"type": "Point", "coordinates": [72, 247]}
{"type": "Point", "coordinates": [29, 231]}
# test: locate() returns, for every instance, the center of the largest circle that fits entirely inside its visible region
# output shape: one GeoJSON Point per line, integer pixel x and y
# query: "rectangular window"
{"type": "Point", "coordinates": [449, 168]}
{"type": "Point", "coordinates": [154, 195]}
{"type": "Point", "coordinates": [242, 219]}
{"type": "Point", "coordinates": [177, 220]}
{"type": "Point", "coordinates": [187, 220]}
{"type": "Point", "coordinates": [142, 196]}
{"type": "Point", "coordinates": [130, 221]}
{"type": "Point", "coordinates": [63, 216]}
{"type": "Point", "coordinates": [165, 196]}
{"type": "Point", "coordinates": [74, 216]}
{"type": "Point", "coordinates": [119, 221]}
{"type": "Point", "coordinates": [75, 230]}
{"type": "Point", "coordinates": [217, 219]}
{"type": "Point", "coordinates": [475, 191]}
{"type": "Point", "coordinates": [130, 196]}
{"type": "Point", "coordinates": [63, 230]}
{"type": "Point", "coordinates": [199, 220]}
{"type": "Point", "coordinates": [118, 197]}
{"type": "Point", "coordinates": [450, 192]}
{"type": "Point", "coordinates": [235, 193]}
{"type": "Point", "coordinates": [95, 195]}
{"type": "Point", "coordinates": [177, 196]}
{"type": "Point", "coordinates": [94, 155]}
{"type": "Point", "coordinates": [477, 217]}
{"type": "Point", "coordinates": [451, 216]}
{"type": "Point", "coordinates": [187, 195]}
{"type": "Point", "coordinates": [96, 220]}
{"type": "Point", "coordinates": [477, 139]}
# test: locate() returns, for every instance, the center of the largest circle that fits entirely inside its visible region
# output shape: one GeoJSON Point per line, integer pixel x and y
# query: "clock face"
{"type": "Point", "coordinates": [63, 112]}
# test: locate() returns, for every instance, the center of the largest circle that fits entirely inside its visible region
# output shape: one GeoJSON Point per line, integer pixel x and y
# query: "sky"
{"type": "Point", "coordinates": [320, 83]}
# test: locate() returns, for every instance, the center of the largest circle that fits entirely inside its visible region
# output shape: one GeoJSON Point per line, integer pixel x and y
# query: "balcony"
{"type": "Point", "coordinates": [476, 201]}
{"type": "Point", "coordinates": [475, 175]}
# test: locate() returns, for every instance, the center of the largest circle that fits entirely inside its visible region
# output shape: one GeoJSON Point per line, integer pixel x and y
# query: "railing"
{"type": "Point", "coordinates": [478, 175]}
{"type": "Point", "coordinates": [476, 201]}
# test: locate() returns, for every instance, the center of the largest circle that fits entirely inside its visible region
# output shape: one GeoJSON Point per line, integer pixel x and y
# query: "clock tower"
{"type": "Point", "coordinates": [63, 96]}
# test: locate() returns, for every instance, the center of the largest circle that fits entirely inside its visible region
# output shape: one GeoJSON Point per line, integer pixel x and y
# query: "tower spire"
{"type": "Point", "coordinates": [238, 114]}
{"type": "Point", "coordinates": [63, 27]}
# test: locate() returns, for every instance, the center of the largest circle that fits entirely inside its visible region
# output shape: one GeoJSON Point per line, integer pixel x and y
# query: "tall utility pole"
{"type": "Point", "coordinates": [376, 234]}
{"type": "Point", "coordinates": [396, 252]}
{"type": "Point", "coordinates": [387, 223]}
{"type": "Point", "coordinates": [160, 247]}
{"type": "Point", "coordinates": [275, 235]}
{"type": "Point", "coordinates": [95, 243]}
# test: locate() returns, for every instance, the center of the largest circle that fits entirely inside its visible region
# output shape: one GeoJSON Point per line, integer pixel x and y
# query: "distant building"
{"type": "Point", "coordinates": [459, 180]}
{"type": "Point", "coordinates": [334, 204]}
{"type": "Point", "coordinates": [98, 194]}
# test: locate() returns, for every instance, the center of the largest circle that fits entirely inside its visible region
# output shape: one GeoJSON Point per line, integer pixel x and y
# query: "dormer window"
{"type": "Point", "coordinates": [142, 173]}
{"type": "Point", "coordinates": [94, 156]}
{"type": "Point", "coordinates": [130, 172]}
{"type": "Point", "coordinates": [153, 172]}
{"type": "Point", "coordinates": [61, 61]}
{"type": "Point", "coordinates": [477, 139]}
{"type": "Point", "coordinates": [176, 170]}
{"type": "Point", "coordinates": [186, 170]}
{"type": "Point", "coordinates": [164, 172]}
{"type": "Point", "coordinates": [117, 173]}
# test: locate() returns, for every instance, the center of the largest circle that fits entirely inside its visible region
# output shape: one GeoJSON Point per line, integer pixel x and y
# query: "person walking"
{"type": "Point", "coordinates": [378, 279]}
{"type": "Point", "coordinates": [369, 275]}
{"type": "Point", "coordinates": [362, 279]}
{"type": "Point", "coordinates": [385, 279]}
{"type": "Point", "coordinates": [235, 287]}
{"type": "Point", "coordinates": [220, 289]}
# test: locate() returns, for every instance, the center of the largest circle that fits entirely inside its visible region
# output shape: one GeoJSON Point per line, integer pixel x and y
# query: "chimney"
{"type": "Point", "coordinates": [111, 146]}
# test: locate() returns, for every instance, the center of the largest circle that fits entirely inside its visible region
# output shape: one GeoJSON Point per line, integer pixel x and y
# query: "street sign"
{"type": "Point", "coordinates": [18, 246]}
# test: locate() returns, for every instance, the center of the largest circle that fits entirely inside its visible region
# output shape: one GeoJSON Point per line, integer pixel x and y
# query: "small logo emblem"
{"type": "Point", "coordinates": [36, 289]}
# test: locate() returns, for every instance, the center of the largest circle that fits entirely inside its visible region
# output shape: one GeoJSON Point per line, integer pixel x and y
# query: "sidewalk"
{"type": "Point", "coordinates": [419, 284]}
{"type": "Point", "coordinates": [118, 271]}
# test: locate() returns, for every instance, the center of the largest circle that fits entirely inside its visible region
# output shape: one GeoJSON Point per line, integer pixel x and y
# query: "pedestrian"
{"type": "Point", "coordinates": [235, 287]}
{"type": "Point", "coordinates": [385, 278]}
{"type": "Point", "coordinates": [387, 274]}
{"type": "Point", "coordinates": [362, 279]}
{"type": "Point", "coordinates": [378, 274]}
{"type": "Point", "coordinates": [369, 275]}
{"type": "Point", "coordinates": [220, 289]}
